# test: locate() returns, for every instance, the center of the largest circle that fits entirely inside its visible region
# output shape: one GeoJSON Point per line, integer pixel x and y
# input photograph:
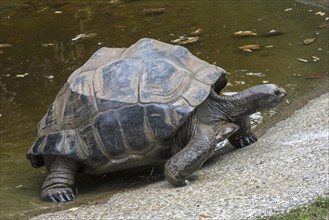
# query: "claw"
{"type": "Point", "coordinates": [253, 137]}
{"type": "Point", "coordinates": [61, 198]}
{"type": "Point", "coordinates": [247, 141]}
{"type": "Point", "coordinates": [68, 198]}
{"type": "Point", "coordinates": [241, 143]}
{"type": "Point", "coordinates": [52, 199]}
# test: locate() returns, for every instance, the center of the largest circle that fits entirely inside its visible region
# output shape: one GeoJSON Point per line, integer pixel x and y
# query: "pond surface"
{"type": "Point", "coordinates": [41, 47]}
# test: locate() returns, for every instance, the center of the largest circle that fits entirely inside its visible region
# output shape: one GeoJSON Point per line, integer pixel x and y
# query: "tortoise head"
{"type": "Point", "coordinates": [249, 101]}
{"type": "Point", "coordinates": [267, 96]}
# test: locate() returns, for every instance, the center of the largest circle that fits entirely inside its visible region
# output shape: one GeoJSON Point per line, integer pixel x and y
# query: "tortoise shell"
{"type": "Point", "coordinates": [123, 105]}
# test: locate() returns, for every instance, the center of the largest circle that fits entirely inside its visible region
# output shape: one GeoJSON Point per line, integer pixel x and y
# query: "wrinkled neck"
{"type": "Point", "coordinates": [236, 106]}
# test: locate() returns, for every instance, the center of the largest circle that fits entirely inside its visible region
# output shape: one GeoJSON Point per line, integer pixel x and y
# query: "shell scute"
{"type": "Point", "coordinates": [110, 132]}
{"type": "Point", "coordinates": [134, 128]}
{"type": "Point", "coordinates": [116, 84]}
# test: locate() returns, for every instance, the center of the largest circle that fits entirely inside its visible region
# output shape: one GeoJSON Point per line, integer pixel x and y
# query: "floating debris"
{"type": "Point", "coordinates": [42, 9]}
{"type": "Point", "coordinates": [58, 12]}
{"type": "Point", "coordinates": [272, 33]}
{"type": "Point", "coordinates": [5, 45]}
{"type": "Point", "coordinates": [250, 47]}
{"type": "Point", "coordinates": [315, 76]}
{"type": "Point", "coordinates": [50, 77]}
{"type": "Point", "coordinates": [184, 40]}
{"type": "Point", "coordinates": [309, 40]}
{"type": "Point", "coordinates": [255, 74]}
{"type": "Point", "coordinates": [47, 44]}
{"type": "Point", "coordinates": [320, 13]}
{"type": "Point", "coordinates": [288, 9]}
{"type": "Point", "coordinates": [154, 11]}
{"type": "Point", "coordinates": [84, 36]}
{"type": "Point", "coordinates": [315, 59]}
{"type": "Point", "coordinates": [197, 31]}
{"type": "Point", "coordinates": [19, 186]}
{"type": "Point", "coordinates": [244, 33]}
{"type": "Point", "coordinates": [21, 75]}
{"type": "Point", "coordinates": [323, 25]}
{"type": "Point", "coordinates": [302, 60]}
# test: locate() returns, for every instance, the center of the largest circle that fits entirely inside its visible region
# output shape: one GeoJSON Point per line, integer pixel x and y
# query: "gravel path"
{"type": "Point", "coordinates": [286, 168]}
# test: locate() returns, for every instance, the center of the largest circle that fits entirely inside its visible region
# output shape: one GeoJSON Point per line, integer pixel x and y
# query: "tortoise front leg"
{"type": "Point", "coordinates": [191, 157]}
{"type": "Point", "coordinates": [244, 136]}
{"type": "Point", "coordinates": [57, 186]}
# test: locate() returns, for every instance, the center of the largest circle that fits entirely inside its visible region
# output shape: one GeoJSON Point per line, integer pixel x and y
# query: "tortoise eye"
{"type": "Point", "coordinates": [277, 92]}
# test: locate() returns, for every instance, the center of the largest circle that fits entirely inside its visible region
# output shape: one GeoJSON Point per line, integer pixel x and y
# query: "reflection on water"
{"type": "Point", "coordinates": [42, 42]}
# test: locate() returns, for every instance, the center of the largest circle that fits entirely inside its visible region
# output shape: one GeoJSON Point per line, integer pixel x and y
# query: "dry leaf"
{"type": "Point", "coordinates": [250, 47]}
{"type": "Point", "coordinates": [5, 45]}
{"type": "Point", "coordinates": [244, 33]}
{"type": "Point", "coordinates": [184, 40]}
{"type": "Point", "coordinates": [309, 40]}
{"type": "Point", "coordinates": [154, 11]}
{"type": "Point", "coordinates": [323, 25]}
{"type": "Point", "coordinates": [320, 13]}
{"type": "Point", "coordinates": [84, 36]}
{"type": "Point", "coordinates": [197, 31]}
{"type": "Point", "coordinates": [202, 216]}
{"type": "Point", "coordinates": [316, 76]}
{"type": "Point", "coordinates": [302, 60]}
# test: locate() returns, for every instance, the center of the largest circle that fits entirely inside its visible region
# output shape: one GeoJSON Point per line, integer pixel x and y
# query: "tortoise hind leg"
{"type": "Point", "coordinates": [57, 186]}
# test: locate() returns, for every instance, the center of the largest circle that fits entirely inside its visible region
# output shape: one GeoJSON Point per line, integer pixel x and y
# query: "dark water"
{"type": "Point", "coordinates": [42, 56]}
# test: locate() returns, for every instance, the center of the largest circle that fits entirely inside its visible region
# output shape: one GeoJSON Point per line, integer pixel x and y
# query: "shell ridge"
{"type": "Point", "coordinates": [126, 146]}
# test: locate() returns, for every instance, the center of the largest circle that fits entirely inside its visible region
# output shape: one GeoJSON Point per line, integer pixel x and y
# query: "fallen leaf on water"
{"type": "Point", "coordinates": [309, 40]}
{"type": "Point", "coordinates": [288, 9]}
{"type": "Point", "coordinates": [320, 13]}
{"type": "Point", "coordinates": [42, 10]}
{"type": "Point", "coordinates": [84, 36]}
{"type": "Point", "coordinates": [247, 50]}
{"type": "Point", "coordinates": [323, 25]}
{"type": "Point", "coordinates": [184, 40]}
{"type": "Point", "coordinates": [5, 45]}
{"type": "Point", "coordinates": [250, 47]}
{"type": "Point", "coordinates": [272, 33]}
{"type": "Point", "coordinates": [302, 60]}
{"type": "Point", "coordinates": [315, 59]}
{"type": "Point", "coordinates": [154, 11]}
{"type": "Point", "coordinates": [315, 76]}
{"type": "Point", "coordinates": [197, 31]}
{"type": "Point", "coordinates": [21, 75]}
{"type": "Point", "coordinates": [47, 44]}
{"type": "Point", "coordinates": [244, 33]}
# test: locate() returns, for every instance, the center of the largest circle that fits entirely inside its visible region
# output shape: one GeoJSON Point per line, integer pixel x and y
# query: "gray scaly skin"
{"type": "Point", "coordinates": [217, 118]}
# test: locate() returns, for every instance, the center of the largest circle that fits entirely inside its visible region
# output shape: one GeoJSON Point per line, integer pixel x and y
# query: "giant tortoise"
{"type": "Point", "coordinates": [152, 103]}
